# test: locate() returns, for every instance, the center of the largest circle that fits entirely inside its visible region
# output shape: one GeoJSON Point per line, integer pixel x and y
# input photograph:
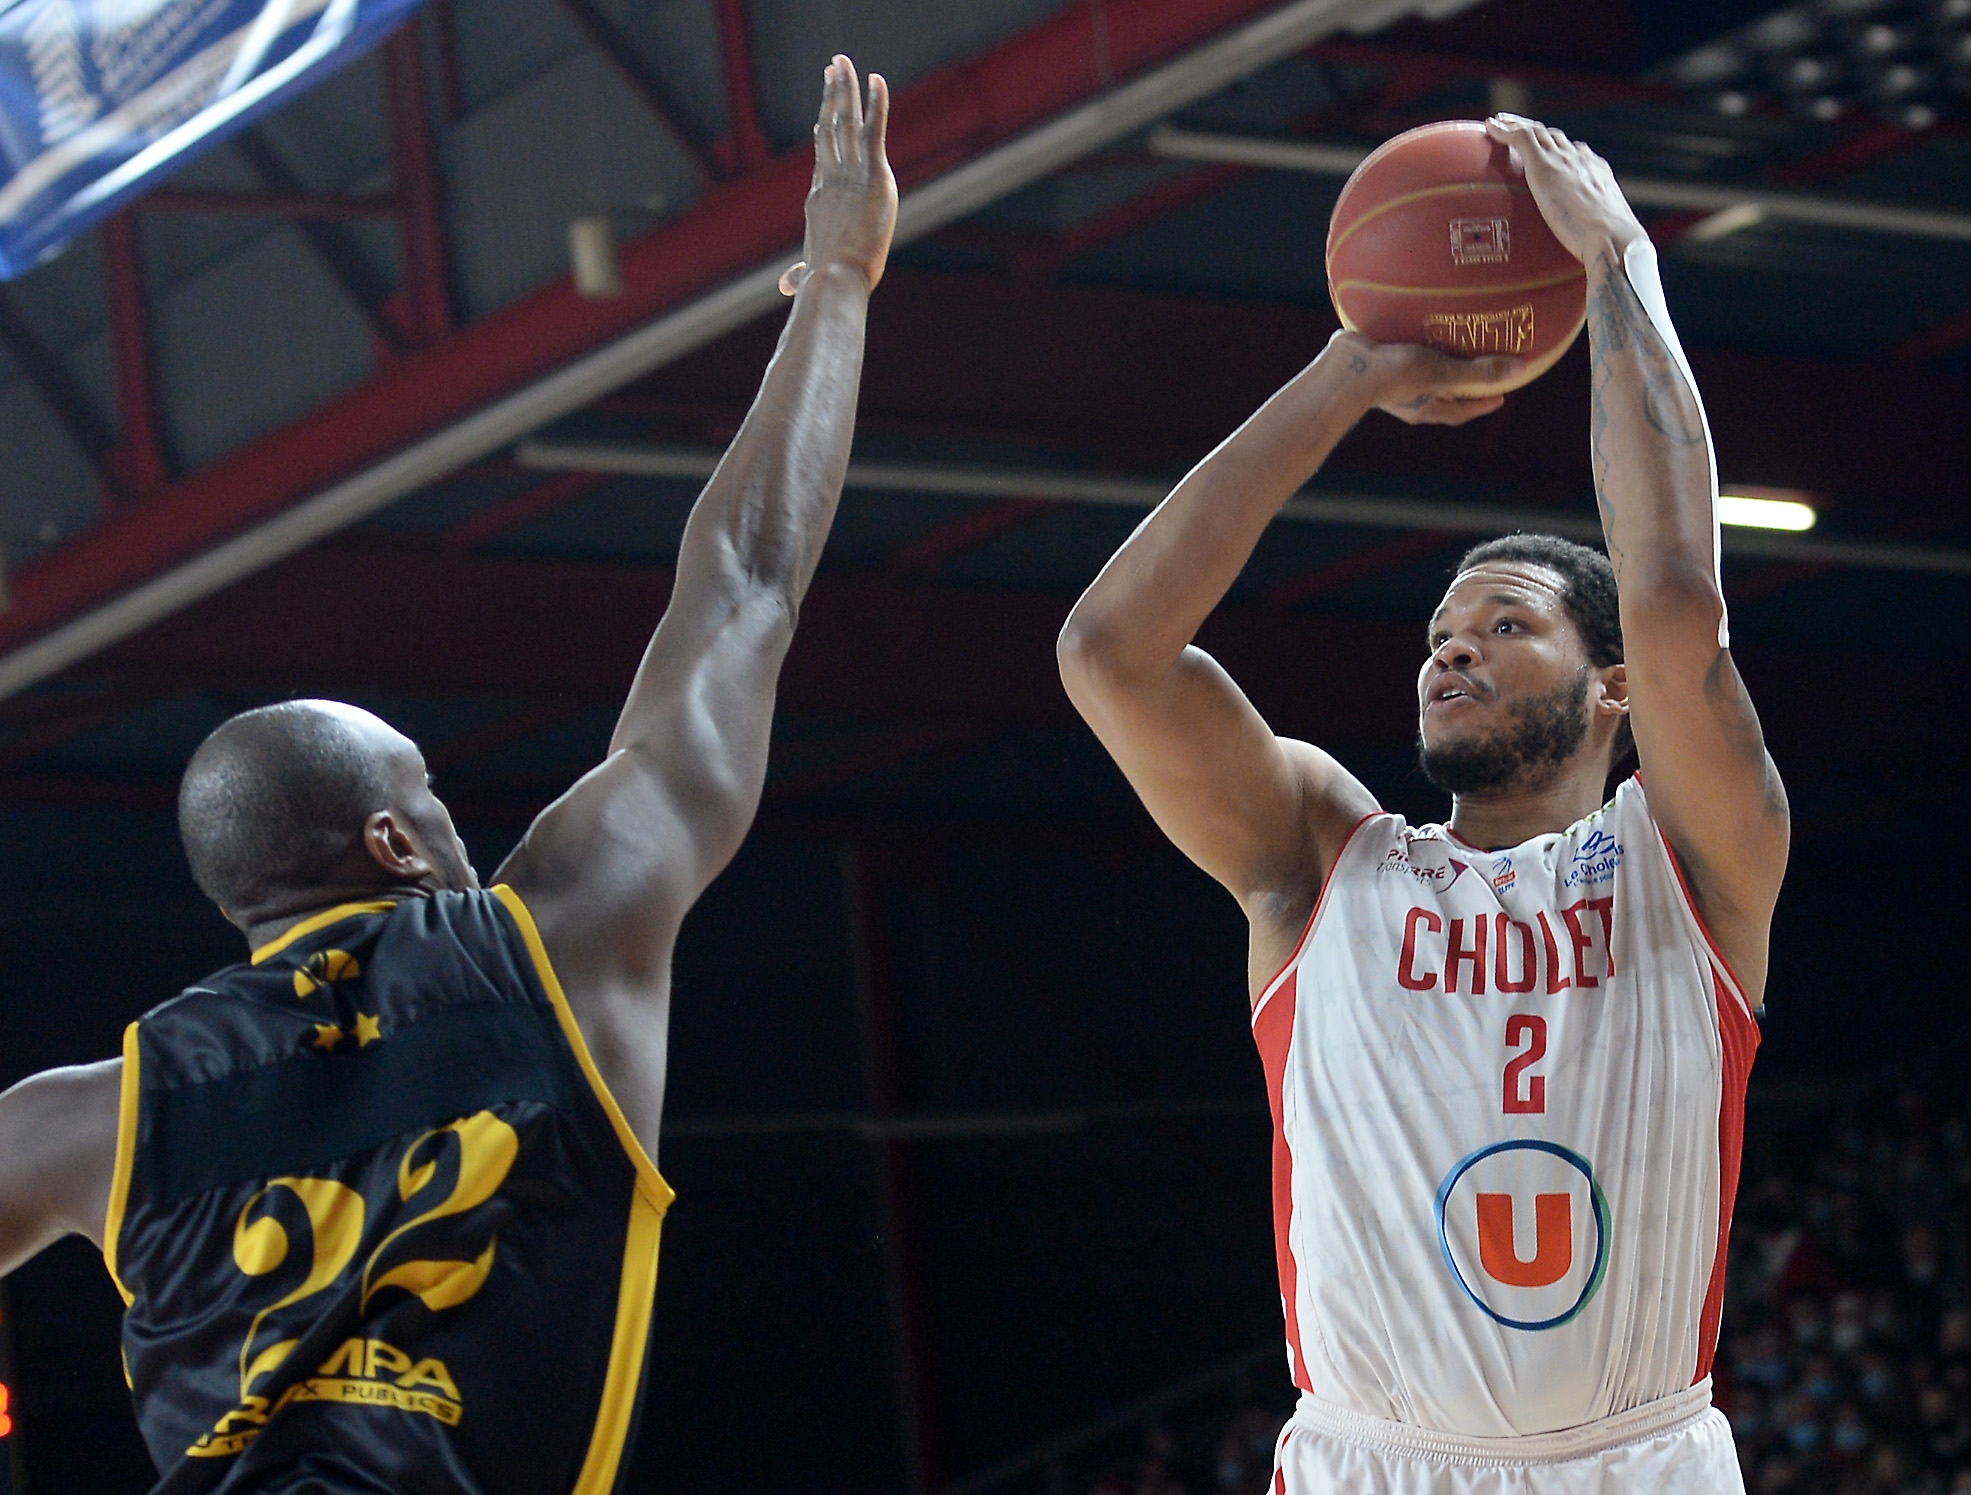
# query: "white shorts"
{"type": "Point", "coordinates": [1680, 1445]}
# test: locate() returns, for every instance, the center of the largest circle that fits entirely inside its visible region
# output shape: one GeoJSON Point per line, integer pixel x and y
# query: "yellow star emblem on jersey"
{"type": "Point", "coordinates": [368, 1030]}
{"type": "Point", "coordinates": [324, 968]}
{"type": "Point", "coordinates": [327, 1036]}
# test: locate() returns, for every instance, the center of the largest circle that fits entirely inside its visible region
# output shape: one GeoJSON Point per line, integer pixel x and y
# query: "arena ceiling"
{"type": "Point", "coordinates": [326, 413]}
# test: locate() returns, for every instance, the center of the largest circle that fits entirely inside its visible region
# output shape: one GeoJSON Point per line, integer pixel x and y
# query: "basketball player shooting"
{"type": "Point", "coordinates": [1506, 1055]}
{"type": "Point", "coordinates": [382, 1200]}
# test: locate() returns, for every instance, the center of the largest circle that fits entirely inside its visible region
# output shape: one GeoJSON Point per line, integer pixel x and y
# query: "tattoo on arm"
{"type": "Point", "coordinates": [1725, 688]}
{"type": "Point", "coordinates": [1618, 327]}
{"type": "Point", "coordinates": [1357, 364]}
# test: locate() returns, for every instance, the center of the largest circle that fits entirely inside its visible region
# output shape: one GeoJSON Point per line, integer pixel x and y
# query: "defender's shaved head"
{"type": "Point", "coordinates": [276, 799]}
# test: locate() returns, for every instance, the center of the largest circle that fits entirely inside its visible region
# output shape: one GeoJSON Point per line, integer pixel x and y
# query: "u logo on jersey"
{"type": "Point", "coordinates": [1524, 1230]}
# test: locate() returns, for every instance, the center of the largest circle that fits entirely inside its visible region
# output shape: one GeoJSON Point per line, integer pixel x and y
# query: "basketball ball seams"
{"type": "Point", "coordinates": [1420, 195]}
{"type": "Point", "coordinates": [1402, 282]}
{"type": "Point", "coordinates": [1513, 288]}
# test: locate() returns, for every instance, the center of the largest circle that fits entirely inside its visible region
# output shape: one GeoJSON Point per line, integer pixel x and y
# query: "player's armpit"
{"type": "Point", "coordinates": [1713, 788]}
{"type": "Point", "coordinates": [57, 1157]}
{"type": "Point", "coordinates": [1264, 815]}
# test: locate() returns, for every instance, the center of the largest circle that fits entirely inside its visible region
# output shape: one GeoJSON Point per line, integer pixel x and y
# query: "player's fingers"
{"type": "Point", "coordinates": [1499, 368]}
{"type": "Point", "coordinates": [792, 276]}
{"type": "Point", "coordinates": [852, 93]}
{"type": "Point", "coordinates": [878, 129]}
{"type": "Point", "coordinates": [827, 129]}
{"type": "Point", "coordinates": [1452, 412]}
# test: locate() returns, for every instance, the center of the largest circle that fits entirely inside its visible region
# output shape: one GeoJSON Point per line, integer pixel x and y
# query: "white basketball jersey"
{"type": "Point", "coordinates": [1508, 1096]}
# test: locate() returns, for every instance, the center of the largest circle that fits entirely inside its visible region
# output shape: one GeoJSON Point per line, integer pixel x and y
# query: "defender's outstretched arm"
{"type": "Point", "coordinates": [1712, 786]}
{"type": "Point", "coordinates": [1261, 814]}
{"type": "Point", "coordinates": [611, 868]}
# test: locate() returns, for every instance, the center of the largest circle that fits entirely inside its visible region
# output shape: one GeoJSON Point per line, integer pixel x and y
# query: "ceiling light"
{"type": "Point", "coordinates": [1782, 31]}
{"type": "Point", "coordinates": [1708, 65]}
{"type": "Point", "coordinates": [1806, 73]}
{"type": "Point", "coordinates": [1726, 222]}
{"type": "Point", "coordinates": [1766, 508]}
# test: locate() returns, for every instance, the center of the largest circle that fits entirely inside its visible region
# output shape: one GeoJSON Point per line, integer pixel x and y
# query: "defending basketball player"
{"type": "Point", "coordinates": [1506, 1055]}
{"type": "Point", "coordinates": [382, 1201]}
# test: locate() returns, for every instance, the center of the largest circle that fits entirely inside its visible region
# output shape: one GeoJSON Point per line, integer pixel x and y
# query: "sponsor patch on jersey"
{"type": "Point", "coordinates": [1524, 1228]}
{"type": "Point", "coordinates": [1595, 860]}
{"type": "Point", "coordinates": [1436, 873]}
{"type": "Point", "coordinates": [1503, 876]}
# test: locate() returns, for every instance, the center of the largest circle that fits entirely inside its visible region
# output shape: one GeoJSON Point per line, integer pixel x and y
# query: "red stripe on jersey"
{"type": "Point", "coordinates": [1733, 986]}
{"type": "Point", "coordinates": [1272, 1030]}
{"type": "Point", "coordinates": [1307, 932]}
{"type": "Point", "coordinates": [1738, 1038]}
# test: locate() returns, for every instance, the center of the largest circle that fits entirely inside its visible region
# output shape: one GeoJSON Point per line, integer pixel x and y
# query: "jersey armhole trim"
{"type": "Point", "coordinates": [1320, 902]}
{"type": "Point", "coordinates": [128, 1098]}
{"type": "Point", "coordinates": [649, 1180]}
{"type": "Point", "coordinates": [636, 1298]}
{"type": "Point", "coordinates": [322, 920]}
{"type": "Point", "coordinates": [1730, 977]}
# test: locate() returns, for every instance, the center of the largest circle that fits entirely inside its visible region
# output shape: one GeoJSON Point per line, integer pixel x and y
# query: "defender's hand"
{"type": "Point", "coordinates": [1574, 188]}
{"type": "Point", "coordinates": [852, 206]}
{"type": "Point", "coordinates": [1416, 384]}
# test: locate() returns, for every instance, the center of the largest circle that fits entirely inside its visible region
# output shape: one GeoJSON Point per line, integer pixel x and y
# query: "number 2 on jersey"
{"type": "Point", "coordinates": [1526, 1095]}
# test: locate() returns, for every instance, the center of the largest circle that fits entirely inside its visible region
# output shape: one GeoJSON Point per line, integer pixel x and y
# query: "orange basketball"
{"type": "Point", "coordinates": [1436, 239]}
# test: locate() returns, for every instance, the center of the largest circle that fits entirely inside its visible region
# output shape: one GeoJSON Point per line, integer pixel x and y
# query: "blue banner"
{"type": "Point", "coordinates": [101, 99]}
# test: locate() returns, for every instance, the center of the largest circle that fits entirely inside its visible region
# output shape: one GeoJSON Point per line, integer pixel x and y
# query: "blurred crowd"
{"type": "Point", "coordinates": [1845, 1362]}
{"type": "Point", "coordinates": [1845, 1365]}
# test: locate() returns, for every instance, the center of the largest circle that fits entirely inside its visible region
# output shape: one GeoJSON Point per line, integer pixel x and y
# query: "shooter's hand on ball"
{"type": "Point", "coordinates": [1415, 384]}
{"type": "Point", "coordinates": [1575, 189]}
{"type": "Point", "coordinates": [852, 206]}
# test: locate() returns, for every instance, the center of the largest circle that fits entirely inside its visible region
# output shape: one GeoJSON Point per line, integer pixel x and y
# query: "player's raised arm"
{"type": "Point", "coordinates": [1711, 784]}
{"type": "Point", "coordinates": [57, 1153]}
{"type": "Point", "coordinates": [611, 868]}
{"type": "Point", "coordinates": [1261, 814]}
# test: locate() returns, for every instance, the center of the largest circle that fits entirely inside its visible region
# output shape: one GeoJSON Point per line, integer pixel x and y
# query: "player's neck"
{"type": "Point", "coordinates": [1509, 816]}
{"type": "Point", "coordinates": [268, 923]}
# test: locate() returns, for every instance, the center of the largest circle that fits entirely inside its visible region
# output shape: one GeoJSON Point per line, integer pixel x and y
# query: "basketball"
{"type": "Point", "coordinates": [1436, 239]}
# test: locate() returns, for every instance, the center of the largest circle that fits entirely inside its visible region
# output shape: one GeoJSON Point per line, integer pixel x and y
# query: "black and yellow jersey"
{"type": "Point", "coordinates": [379, 1224]}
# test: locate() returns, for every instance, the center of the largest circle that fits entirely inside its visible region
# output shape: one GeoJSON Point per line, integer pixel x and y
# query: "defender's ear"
{"type": "Point", "coordinates": [393, 848]}
{"type": "Point", "coordinates": [1613, 698]}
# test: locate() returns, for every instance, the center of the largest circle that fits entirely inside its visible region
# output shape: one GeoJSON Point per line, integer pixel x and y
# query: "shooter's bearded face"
{"type": "Point", "coordinates": [1526, 749]}
{"type": "Point", "coordinates": [1503, 699]}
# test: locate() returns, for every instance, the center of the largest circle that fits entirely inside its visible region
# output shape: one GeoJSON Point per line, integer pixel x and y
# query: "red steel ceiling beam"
{"type": "Point", "coordinates": [331, 206]}
{"type": "Point", "coordinates": [745, 146]}
{"type": "Point", "coordinates": [1933, 342]}
{"type": "Point", "coordinates": [140, 450]}
{"type": "Point", "coordinates": [949, 654]}
{"type": "Point", "coordinates": [1371, 560]}
{"type": "Point", "coordinates": [1414, 75]}
{"type": "Point", "coordinates": [451, 70]}
{"type": "Point", "coordinates": [535, 502]}
{"type": "Point", "coordinates": [426, 297]}
{"type": "Point", "coordinates": [940, 122]}
{"type": "Point", "coordinates": [923, 554]}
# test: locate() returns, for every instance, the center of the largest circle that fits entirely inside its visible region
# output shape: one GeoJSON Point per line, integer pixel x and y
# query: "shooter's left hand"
{"type": "Point", "coordinates": [1575, 189]}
